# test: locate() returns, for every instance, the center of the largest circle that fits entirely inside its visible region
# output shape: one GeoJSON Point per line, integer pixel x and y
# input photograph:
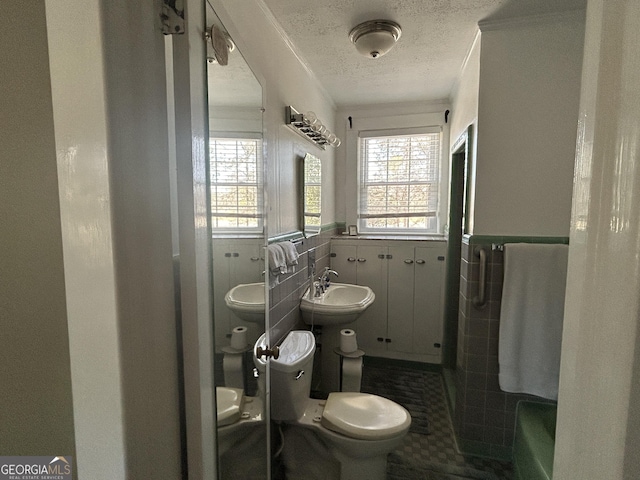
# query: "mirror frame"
{"type": "Point", "coordinates": [310, 185]}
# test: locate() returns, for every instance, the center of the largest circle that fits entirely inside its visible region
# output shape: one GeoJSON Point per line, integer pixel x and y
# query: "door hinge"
{"type": "Point", "coordinates": [172, 18]}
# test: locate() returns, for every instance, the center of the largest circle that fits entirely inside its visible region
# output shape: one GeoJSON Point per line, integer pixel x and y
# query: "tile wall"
{"type": "Point", "coordinates": [284, 298]}
{"type": "Point", "coordinates": [484, 416]}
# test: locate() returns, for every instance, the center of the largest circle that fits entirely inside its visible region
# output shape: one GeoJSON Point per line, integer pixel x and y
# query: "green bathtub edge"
{"type": "Point", "coordinates": [535, 441]}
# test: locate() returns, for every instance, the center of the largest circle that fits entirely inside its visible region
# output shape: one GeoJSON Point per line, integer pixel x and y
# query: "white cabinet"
{"type": "Point", "coordinates": [406, 319]}
{"type": "Point", "coordinates": [234, 262]}
{"type": "Point", "coordinates": [365, 264]}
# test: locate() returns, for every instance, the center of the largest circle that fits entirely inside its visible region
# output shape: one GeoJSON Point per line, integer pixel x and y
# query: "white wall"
{"type": "Point", "coordinates": [599, 399]}
{"type": "Point", "coordinates": [36, 410]}
{"type": "Point", "coordinates": [109, 104]}
{"type": "Point", "coordinates": [527, 118]}
{"type": "Point", "coordinates": [285, 81]}
{"type": "Point", "coordinates": [464, 106]}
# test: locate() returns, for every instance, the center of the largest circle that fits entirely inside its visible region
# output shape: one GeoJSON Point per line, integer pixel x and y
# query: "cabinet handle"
{"type": "Point", "coordinates": [380, 339]}
{"type": "Point", "coordinates": [228, 254]}
{"type": "Point", "coordinates": [351, 259]}
{"type": "Point", "coordinates": [235, 255]}
{"type": "Point", "coordinates": [387, 340]}
{"type": "Point", "coordinates": [408, 261]}
{"type": "Point", "coordinates": [420, 262]}
{"type": "Point", "coordinates": [255, 259]}
{"type": "Point", "coordinates": [381, 256]}
{"type": "Point", "coordinates": [362, 260]}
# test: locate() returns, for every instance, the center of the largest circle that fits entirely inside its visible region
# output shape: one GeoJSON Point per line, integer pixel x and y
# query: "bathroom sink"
{"type": "Point", "coordinates": [246, 300]}
{"type": "Point", "coordinates": [342, 303]}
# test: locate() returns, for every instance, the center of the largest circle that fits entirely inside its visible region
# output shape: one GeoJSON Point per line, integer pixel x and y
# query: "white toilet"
{"type": "Point", "coordinates": [358, 430]}
{"type": "Point", "coordinates": [241, 434]}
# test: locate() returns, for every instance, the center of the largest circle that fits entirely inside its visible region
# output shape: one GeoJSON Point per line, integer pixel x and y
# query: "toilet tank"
{"type": "Point", "coordinates": [291, 376]}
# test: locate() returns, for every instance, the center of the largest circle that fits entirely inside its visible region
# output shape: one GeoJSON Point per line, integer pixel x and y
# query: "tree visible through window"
{"type": "Point", "coordinates": [399, 183]}
{"type": "Point", "coordinates": [236, 184]}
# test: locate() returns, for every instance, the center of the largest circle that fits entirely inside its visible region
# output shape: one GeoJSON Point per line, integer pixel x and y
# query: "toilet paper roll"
{"type": "Point", "coordinates": [239, 338]}
{"type": "Point", "coordinates": [348, 342]}
{"type": "Point", "coordinates": [351, 374]}
{"type": "Point", "coordinates": [232, 369]}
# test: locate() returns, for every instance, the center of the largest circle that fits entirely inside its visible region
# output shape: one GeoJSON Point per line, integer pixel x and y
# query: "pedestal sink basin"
{"type": "Point", "coordinates": [246, 300]}
{"type": "Point", "coordinates": [340, 304]}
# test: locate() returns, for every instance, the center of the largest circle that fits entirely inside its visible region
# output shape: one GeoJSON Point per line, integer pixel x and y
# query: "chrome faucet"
{"type": "Point", "coordinates": [318, 289]}
{"type": "Point", "coordinates": [320, 286]}
{"type": "Point", "coordinates": [324, 278]}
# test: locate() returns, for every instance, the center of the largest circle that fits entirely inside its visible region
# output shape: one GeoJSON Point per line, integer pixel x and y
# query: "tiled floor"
{"type": "Point", "coordinates": [429, 450]}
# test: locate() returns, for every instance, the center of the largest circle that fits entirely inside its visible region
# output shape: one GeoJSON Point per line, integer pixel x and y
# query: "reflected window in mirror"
{"type": "Point", "coordinates": [311, 195]}
{"type": "Point", "coordinates": [236, 184]}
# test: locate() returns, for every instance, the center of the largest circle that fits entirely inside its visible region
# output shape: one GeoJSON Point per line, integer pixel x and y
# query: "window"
{"type": "Point", "coordinates": [399, 182]}
{"type": "Point", "coordinates": [236, 184]}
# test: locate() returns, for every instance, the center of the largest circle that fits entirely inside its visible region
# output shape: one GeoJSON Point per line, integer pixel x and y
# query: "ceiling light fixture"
{"type": "Point", "coordinates": [375, 38]}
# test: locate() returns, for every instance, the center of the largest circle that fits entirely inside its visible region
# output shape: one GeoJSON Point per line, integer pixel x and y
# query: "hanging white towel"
{"type": "Point", "coordinates": [277, 263]}
{"type": "Point", "coordinates": [290, 255]}
{"type": "Point", "coordinates": [531, 317]}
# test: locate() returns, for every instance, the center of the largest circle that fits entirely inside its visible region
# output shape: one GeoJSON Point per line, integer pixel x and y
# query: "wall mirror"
{"type": "Point", "coordinates": [236, 173]}
{"type": "Point", "coordinates": [311, 186]}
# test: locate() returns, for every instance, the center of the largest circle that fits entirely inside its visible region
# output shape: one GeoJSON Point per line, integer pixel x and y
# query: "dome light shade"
{"type": "Point", "coordinates": [374, 38]}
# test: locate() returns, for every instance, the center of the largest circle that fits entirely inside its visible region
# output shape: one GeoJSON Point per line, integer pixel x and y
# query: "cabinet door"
{"type": "Point", "coordinates": [221, 286]}
{"type": "Point", "coordinates": [246, 265]}
{"type": "Point", "coordinates": [343, 261]}
{"type": "Point", "coordinates": [400, 307]}
{"type": "Point", "coordinates": [429, 288]}
{"type": "Point", "coordinates": [371, 271]}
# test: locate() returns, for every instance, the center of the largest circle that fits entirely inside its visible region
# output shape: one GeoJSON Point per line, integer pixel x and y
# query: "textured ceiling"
{"type": "Point", "coordinates": [423, 66]}
{"type": "Point", "coordinates": [232, 85]}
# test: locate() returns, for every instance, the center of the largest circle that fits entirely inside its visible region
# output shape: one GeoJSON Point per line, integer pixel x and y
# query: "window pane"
{"type": "Point", "coordinates": [400, 175]}
{"type": "Point", "coordinates": [235, 171]}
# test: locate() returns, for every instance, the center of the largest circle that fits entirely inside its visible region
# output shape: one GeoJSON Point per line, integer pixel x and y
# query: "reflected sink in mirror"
{"type": "Point", "coordinates": [342, 303]}
{"type": "Point", "coordinates": [247, 301]}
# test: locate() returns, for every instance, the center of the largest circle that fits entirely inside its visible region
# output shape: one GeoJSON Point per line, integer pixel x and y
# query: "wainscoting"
{"type": "Point", "coordinates": [284, 298]}
{"type": "Point", "coordinates": [484, 416]}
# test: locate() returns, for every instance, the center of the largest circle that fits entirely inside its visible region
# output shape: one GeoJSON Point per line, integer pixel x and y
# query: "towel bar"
{"type": "Point", "coordinates": [480, 300]}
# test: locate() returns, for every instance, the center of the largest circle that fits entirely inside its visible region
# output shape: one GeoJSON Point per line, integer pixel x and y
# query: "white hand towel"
{"type": "Point", "coordinates": [531, 316]}
{"type": "Point", "coordinates": [290, 255]}
{"type": "Point", "coordinates": [277, 261]}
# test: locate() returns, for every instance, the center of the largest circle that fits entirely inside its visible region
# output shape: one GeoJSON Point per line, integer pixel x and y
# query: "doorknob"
{"type": "Point", "coordinates": [267, 352]}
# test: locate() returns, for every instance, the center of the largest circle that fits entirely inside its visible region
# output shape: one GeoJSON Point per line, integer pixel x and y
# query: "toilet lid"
{"type": "Point", "coordinates": [228, 404]}
{"type": "Point", "coordinates": [364, 416]}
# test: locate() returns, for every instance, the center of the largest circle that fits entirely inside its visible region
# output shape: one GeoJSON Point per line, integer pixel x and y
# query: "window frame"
{"type": "Point", "coordinates": [361, 217]}
{"type": "Point", "coordinates": [259, 185]}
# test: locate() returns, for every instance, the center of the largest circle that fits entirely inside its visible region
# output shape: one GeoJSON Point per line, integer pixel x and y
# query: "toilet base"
{"type": "Point", "coordinates": [313, 452]}
{"type": "Point", "coordinates": [307, 457]}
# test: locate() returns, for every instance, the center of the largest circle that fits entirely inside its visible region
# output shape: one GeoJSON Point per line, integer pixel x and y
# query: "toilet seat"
{"type": "Point", "coordinates": [228, 405]}
{"type": "Point", "coordinates": [364, 416]}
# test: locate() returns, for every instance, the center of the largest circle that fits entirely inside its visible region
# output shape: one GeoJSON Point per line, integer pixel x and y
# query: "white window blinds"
{"type": "Point", "coordinates": [236, 184]}
{"type": "Point", "coordinates": [399, 181]}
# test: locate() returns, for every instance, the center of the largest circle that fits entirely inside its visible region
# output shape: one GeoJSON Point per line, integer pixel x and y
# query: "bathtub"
{"type": "Point", "coordinates": [535, 441]}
